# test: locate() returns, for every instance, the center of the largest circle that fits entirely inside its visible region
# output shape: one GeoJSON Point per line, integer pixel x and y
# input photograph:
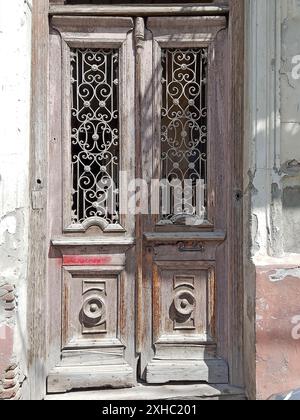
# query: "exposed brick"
{"type": "Point", "coordinates": [6, 348]}
{"type": "Point", "coordinates": [6, 288]}
{"type": "Point", "coordinates": [9, 383]}
{"type": "Point", "coordinates": [14, 366]}
{"type": "Point", "coordinates": [9, 394]}
{"type": "Point", "coordinates": [8, 297]}
{"type": "Point", "coordinates": [10, 374]}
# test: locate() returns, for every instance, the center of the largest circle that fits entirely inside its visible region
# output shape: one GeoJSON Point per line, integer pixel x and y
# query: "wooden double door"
{"type": "Point", "coordinates": [139, 202]}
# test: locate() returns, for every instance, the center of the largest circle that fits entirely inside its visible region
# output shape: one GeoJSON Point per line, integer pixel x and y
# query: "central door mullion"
{"type": "Point", "coordinates": [139, 38]}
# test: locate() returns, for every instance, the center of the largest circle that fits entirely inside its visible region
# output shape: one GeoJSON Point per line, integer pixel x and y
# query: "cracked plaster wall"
{"type": "Point", "coordinates": [15, 47]}
{"type": "Point", "coordinates": [272, 195]}
{"type": "Point", "coordinates": [273, 175]}
{"type": "Point", "coordinates": [290, 127]}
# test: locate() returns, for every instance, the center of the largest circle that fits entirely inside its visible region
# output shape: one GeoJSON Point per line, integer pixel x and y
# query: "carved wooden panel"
{"type": "Point", "coordinates": [184, 329]}
{"type": "Point", "coordinates": [91, 308]}
{"type": "Point", "coordinates": [183, 304]}
{"type": "Point", "coordinates": [93, 315]}
{"type": "Point", "coordinates": [96, 325]}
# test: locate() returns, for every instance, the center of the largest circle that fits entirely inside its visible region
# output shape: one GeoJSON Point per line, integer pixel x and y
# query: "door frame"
{"type": "Point", "coordinates": [40, 137]}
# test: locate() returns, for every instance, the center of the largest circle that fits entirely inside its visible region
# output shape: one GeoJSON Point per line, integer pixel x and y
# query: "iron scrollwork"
{"type": "Point", "coordinates": [95, 136]}
{"type": "Point", "coordinates": [184, 124]}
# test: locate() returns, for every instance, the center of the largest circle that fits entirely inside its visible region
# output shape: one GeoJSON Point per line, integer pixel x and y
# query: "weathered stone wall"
{"type": "Point", "coordinates": [15, 47]}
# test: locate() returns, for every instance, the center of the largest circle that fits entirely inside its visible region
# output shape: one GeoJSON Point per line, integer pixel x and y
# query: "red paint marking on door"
{"type": "Point", "coordinates": [78, 260]}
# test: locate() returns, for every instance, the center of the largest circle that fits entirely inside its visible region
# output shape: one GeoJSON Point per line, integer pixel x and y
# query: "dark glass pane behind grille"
{"type": "Point", "coordinates": [184, 123]}
{"type": "Point", "coordinates": [95, 134]}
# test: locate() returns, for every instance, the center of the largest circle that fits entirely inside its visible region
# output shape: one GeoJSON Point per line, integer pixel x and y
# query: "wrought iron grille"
{"type": "Point", "coordinates": [95, 134]}
{"type": "Point", "coordinates": [184, 130]}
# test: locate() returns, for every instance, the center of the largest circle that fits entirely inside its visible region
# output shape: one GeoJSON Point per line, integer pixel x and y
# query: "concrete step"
{"type": "Point", "coordinates": [161, 392]}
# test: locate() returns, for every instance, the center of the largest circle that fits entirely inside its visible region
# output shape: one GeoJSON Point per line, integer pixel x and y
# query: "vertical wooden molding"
{"type": "Point", "coordinates": [139, 33]}
{"type": "Point", "coordinates": [139, 43]}
{"type": "Point", "coordinates": [235, 232]}
{"type": "Point", "coordinates": [37, 287]}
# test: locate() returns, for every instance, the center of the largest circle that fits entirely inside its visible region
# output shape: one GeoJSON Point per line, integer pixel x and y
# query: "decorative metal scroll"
{"type": "Point", "coordinates": [95, 136]}
{"type": "Point", "coordinates": [184, 132]}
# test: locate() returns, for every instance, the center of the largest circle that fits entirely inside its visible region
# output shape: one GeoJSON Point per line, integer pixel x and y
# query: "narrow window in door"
{"type": "Point", "coordinates": [184, 131]}
{"type": "Point", "coordinates": [95, 134]}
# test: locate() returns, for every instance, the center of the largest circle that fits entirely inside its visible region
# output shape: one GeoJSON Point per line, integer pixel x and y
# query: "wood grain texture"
{"type": "Point", "coordinates": [69, 241]}
{"type": "Point", "coordinates": [143, 10]}
{"type": "Point", "coordinates": [221, 237]}
{"type": "Point", "coordinates": [212, 371]}
{"type": "Point", "coordinates": [92, 266]}
{"type": "Point", "coordinates": [162, 392]}
{"type": "Point", "coordinates": [173, 237]}
{"type": "Point", "coordinates": [185, 254]}
{"type": "Point", "coordinates": [139, 38]}
{"type": "Point", "coordinates": [37, 317]}
{"type": "Point", "coordinates": [236, 124]}
{"type": "Point", "coordinates": [54, 226]}
{"type": "Point", "coordinates": [107, 33]}
{"type": "Point", "coordinates": [84, 377]}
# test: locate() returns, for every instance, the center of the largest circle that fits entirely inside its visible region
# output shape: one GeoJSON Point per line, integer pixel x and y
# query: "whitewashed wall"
{"type": "Point", "coordinates": [290, 129]}
{"type": "Point", "coordinates": [272, 196]}
{"type": "Point", "coordinates": [15, 69]}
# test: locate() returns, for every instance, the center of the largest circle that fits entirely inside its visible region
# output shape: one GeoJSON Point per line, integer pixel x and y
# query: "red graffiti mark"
{"type": "Point", "coordinates": [78, 260]}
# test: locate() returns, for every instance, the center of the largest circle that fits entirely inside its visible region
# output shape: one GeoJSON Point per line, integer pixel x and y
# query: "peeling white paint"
{"type": "Point", "coordinates": [7, 225]}
{"type": "Point", "coordinates": [274, 123]}
{"type": "Point", "coordinates": [15, 72]}
{"type": "Point", "coordinates": [283, 274]}
{"type": "Point", "coordinates": [263, 305]}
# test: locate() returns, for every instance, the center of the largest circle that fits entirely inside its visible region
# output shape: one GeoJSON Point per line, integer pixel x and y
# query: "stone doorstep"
{"type": "Point", "coordinates": [162, 392]}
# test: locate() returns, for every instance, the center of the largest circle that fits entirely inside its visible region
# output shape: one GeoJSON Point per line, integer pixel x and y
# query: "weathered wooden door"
{"type": "Point", "coordinates": [138, 193]}
{"type": "Point", "coordinates": [183, 137]}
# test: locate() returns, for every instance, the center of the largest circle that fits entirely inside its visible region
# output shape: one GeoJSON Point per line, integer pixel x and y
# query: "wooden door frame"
{"type": "Point", "coordinates": [37, 277]}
